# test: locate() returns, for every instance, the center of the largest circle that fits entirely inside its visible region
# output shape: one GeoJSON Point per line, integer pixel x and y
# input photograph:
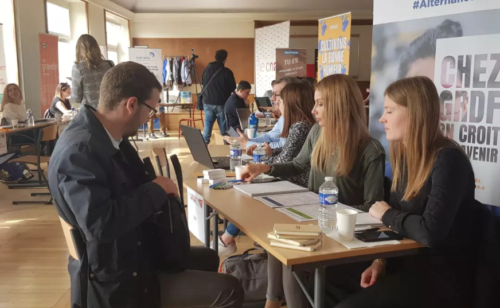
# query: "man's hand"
{"type": "Point", "coordinates": [168, 185]}
{"type": "Point", "coordinates": [267, 148]}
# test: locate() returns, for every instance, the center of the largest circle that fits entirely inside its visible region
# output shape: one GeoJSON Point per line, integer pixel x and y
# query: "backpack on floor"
{"type": "Point", "coordinates": [251, 271]}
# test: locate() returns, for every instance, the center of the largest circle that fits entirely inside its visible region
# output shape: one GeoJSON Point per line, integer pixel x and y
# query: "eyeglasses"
{"type": "Point", "coordinates": [152, 111]}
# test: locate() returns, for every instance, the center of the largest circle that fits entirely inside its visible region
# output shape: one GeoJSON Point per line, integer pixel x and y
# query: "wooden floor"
{"type": "Point", "coordinates": [33, 253]}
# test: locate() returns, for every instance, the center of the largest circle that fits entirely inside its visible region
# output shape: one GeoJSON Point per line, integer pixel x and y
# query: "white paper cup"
{"type": "Point", "coordinates": [15, 123]}
{"type": "Point", "coordinates": [250, 132]}
{"type": "Point", "coordinates": [346, 223]}
{"type": "Point", "coordinates": [237, 172]}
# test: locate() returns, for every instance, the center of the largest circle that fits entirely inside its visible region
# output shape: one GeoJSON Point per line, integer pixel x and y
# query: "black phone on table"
{"type": "Point", "coordinates": [377, 236]}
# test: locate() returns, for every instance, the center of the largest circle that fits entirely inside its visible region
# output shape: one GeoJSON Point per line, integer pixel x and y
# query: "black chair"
{"type": "Point", "coordinates": [178, 174]}
{"type": "Point", "coordinates": [162, 161]}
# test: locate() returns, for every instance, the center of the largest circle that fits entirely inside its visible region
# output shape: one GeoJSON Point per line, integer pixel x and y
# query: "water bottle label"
{"type": "Point", "coordinates": [257, 158]}
{"type": "Point", "coordinates": [328, 199]}
{"type": "Point", "coordinates": [235, 153]}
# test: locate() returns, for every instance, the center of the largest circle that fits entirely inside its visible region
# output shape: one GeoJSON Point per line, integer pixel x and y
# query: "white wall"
{"type": "Point", "coordinates": [97, 25]}
{"type": "Point", "coordinates": [30, 20]}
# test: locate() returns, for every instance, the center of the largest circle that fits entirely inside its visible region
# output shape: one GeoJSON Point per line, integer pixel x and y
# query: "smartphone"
{"type": "Point", "coordinates": [377, 236]}
{"type": "Point", "coordinates": [232, 133]}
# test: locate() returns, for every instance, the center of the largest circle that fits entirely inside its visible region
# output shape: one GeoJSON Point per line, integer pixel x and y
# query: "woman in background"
{"type": "Point", "coordinates": [88, 71]}
{"type": "Point", "coordinates": [12, 106]}
{"type": "Point", "coordinates": [60, 104]}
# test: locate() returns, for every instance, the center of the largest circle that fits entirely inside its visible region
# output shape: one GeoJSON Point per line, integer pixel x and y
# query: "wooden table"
{"type": "Point", "coordinates": [256, 219]}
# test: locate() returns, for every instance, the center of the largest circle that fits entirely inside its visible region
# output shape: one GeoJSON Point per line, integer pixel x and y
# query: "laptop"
{"type": "Point", "coordinates": [199, 150]}
{"type": "Point", "coordinates": [263, 102]}
{"type": "Point", "coordinates": [243, 116]}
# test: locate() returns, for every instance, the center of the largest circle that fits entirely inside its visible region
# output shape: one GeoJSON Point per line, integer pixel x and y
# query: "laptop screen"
{"type": "Point", "coordinates": [263, 102]}
{"type": "Point", "coordinates": [243, 115]}
{"type": "Point", "coordinates": [197, 146]}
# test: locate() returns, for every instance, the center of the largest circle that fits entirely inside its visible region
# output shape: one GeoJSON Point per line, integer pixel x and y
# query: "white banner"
{"type": "Point", "coordinates": [3, 65]}
{"type": "Point", "coordinates": [267, 39]}
{"type": "Point", "coordinates": [457, 45]}
{"type": "Point", "coordinates": [387, 11]}
{"type": "Point", "coordinates": [150, 58]}
{"type": "Point", "coordinates": [196, 214]}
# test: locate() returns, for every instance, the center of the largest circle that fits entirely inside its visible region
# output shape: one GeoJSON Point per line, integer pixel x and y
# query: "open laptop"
{"type": "Point", "coordinates": [199, 150]}
{"type": "Point", "coordinates": [243, 116]}
{"type": "Point", "coordinates": [263, 102]}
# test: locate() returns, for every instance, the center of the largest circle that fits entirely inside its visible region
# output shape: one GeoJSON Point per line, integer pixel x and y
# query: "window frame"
{"type": "Point", "coordinates": [62, 36]}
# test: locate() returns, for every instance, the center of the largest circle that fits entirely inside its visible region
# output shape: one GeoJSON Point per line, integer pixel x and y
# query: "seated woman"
{"type": "Point", "coordinates": [295, 103]}
{"type": "Point", "coordinates": [338, 146]}
{"type": "Point", "coordinates": [431, 202]}
{"type": "Point", "coordinates": [60, 104]}
{"type": "Point", "coordinates": [12, 106]}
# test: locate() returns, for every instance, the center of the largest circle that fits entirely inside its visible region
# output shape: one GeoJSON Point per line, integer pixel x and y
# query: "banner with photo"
{"type": "Point", "coordinates": [150, 58]}
{"type": "Point", "coordinates": [3, 65]}
{"type": "Point", "coordinates": [291, 63]}
{"type": "Point", "coordinates": [267, 39]}
{"type": "Point", "coordinates": [456, 44]}
{"type": "Point", "coordinates": [49, 69]}
{"type": "Point", "coordinates": [334, 39]}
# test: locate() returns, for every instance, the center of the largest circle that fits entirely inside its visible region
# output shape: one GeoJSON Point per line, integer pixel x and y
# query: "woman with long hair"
{"type": "Point", "coordinates": [88, 71]}
{"type": "Point", "coordinates": [60, 104]}
{"type": "Point", "coordinates": [295, 103]}
{"type": "Point", "coordinates": [339, 146]}
{"type": "Point", "coordinates": [12, 105]}
{"type": "Point", "coordinates": [431, 202]}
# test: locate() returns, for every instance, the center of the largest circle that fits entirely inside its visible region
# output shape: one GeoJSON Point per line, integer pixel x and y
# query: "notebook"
{"type": "Point", "coordinates": [302, 248]}
{"type": "Point", "coordinates": [263, 189]}
{"type": "Point", "coordinates": [293, 229]}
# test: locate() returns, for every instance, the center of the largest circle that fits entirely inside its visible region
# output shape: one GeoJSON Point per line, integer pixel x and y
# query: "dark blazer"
{"type": "Point", "coordinates": [105, 194]}
{"type": "Point", "coordinates": [221, 87]}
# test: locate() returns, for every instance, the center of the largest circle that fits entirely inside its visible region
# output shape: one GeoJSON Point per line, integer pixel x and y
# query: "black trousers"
{"type": "Point", "coordinates": [404, 288]}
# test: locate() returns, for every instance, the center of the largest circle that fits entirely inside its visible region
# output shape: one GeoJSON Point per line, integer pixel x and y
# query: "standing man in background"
{"type": "Point", "coordinates": [218, 84]}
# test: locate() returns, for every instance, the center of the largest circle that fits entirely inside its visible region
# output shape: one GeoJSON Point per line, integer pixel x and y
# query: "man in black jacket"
{"type": "Point", "coordinates": [104, 192]}
{"type": "Point", "coordinates": [218, 84]}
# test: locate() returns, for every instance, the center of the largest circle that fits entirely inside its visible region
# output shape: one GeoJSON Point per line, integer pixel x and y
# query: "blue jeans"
{"type": "Point", "coordinates": [232, 230]}
{"type": "Point", "coordinates": [213, 112]}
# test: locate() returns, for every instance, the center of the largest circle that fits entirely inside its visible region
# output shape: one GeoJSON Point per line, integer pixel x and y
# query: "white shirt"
{"type": "Point", "coordinates": [13, 111]}
{"type": "Point", "coordinates": [116, 143]}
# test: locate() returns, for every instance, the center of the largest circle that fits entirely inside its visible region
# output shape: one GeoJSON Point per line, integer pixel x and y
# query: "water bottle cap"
{"type": "Point", "coordinates": [329, 178]}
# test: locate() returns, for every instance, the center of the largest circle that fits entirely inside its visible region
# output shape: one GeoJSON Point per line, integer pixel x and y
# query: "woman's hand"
{"type": "Point", "coordinates": [267, 148]}
{"type": "Point", "coordinates": [378, 209]}
{"type": "Point", "coordinates": [371, 274]}
{"type": "Point", "coordinates": [251, 171]}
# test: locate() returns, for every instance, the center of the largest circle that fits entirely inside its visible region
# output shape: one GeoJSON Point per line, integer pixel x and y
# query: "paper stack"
{"type": "Point", "coordinates": [298, 237]}
{"type": "Point", "coordinates": [214, 176]}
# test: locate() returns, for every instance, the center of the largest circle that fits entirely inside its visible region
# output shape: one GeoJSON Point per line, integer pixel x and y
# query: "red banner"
{"type": "Point", "coordinates": [49, 68]}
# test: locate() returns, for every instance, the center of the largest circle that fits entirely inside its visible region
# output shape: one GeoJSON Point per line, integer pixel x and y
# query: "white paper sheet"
{"type": "Point", "coordinates": [288, 200]}
{"type": "Point", "coordinates": [301, 213]}
{"type": "Point", "coordinates": [355, 243]}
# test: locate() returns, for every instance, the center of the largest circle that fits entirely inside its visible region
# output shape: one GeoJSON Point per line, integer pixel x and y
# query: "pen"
{"type": "Point", "coordinates": [236, 181]}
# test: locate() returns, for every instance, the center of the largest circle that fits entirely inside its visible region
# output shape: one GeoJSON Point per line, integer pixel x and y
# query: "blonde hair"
{"type": "Point", "coordinates": [5, 97]}
{"type": "Point", "coordinates": [88, 51]}
{"type": "Point", "coordinates": [416, 153]}
{"type": "Point", "coordinates": [345, 126]}
{"type": "Point", "coordinates": [63, 86]}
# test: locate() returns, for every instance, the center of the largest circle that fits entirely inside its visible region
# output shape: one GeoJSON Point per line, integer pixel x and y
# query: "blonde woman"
{"type": "Point", "coordinates": [431, 202]}
{"type": "Point", "coordinates": [340, 146]}
{"type": "Point", "coordinates": [12, 106]}
{"type": "Point", "coordinates": [88, 71]}
{"type": "Point", "coordinates": [60, 104]}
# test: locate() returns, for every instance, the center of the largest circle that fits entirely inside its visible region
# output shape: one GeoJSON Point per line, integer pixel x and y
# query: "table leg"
{"type": "Point", "coordinates": [215, 231]}
{"type": "Point", "coordinates": [207, 226]}
{"type": "Point", "coordinates": [319, 287]}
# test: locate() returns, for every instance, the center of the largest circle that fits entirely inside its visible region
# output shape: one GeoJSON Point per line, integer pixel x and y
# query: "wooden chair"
{"type": "Point", "coordinates": [161, 160]}
{"type": "Point", "coordinates": [192, 119]}
{"type": "Point", "coordinates": [47, 134]}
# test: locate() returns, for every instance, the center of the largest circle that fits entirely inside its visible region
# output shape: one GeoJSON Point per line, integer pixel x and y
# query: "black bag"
{"type": "Point", "coordinates": [168, 239]}
{"type": "Point", "coordinates": [199, 102]}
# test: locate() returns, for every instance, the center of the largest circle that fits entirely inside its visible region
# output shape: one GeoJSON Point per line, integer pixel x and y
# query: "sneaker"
{"type": "Point", "coordinates": [224, 250]}
{"type": "Point", "coordinates": [152, 136]}
{"type": "Point", "coordinates": [164, 135]}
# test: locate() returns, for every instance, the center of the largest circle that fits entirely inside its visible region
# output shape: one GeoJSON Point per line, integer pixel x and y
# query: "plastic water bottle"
{"type": "Point", "coordinates": [258, 155]}
{"type": "Point", "coordinates": [30, 120]}
{"type": "Point", "coordinates": [253, 122]}
{"type": "Point", "coordinates": [235, 155]}
{"type": "Point", "coordinates": [328, 199]}
{"type": "Point", "coordinates": [73, 112]}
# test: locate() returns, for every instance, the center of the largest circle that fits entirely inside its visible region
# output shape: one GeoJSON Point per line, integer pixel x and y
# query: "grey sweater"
{"type": "Point", "coordinates": [86, 82]}
{"type": "Point", "coordinates": [361, 189]}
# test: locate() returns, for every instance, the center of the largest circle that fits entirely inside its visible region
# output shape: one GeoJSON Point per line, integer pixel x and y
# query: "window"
{"type": "Point", "coordinates": [113, 32]}
{"type": "Point", "coordinates": [66, 60]}
{"type": "Point", "coordinates": [58, 20]}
